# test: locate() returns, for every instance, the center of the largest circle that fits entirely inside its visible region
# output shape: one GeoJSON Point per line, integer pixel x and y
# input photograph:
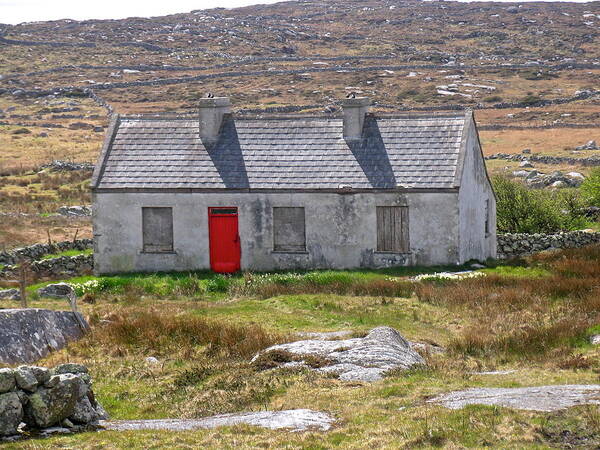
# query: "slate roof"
{"type": "Point", "coordinates": [283, 153]}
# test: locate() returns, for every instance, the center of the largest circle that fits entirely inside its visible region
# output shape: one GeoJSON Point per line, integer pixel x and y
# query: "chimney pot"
{"type": "Point", "coordinates": [211, 112]}
{"type": "Point", "coordinates": [355, 109]}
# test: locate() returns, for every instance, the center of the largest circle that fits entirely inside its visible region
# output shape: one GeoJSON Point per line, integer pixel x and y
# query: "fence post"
{"type": "Point", "coordinates": [23, 272]}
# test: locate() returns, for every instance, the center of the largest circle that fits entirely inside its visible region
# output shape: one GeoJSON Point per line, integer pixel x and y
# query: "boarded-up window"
{"type": "Point", "coordinates": [392, 229]}
{"type": "Point", "coordinates": [157, 229]}
{"type": "Point", "coordinates": [288, 230]}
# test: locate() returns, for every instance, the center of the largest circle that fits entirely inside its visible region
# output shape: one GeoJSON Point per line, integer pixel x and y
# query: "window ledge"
{"type": "Point", "coordinates": [392, 253]}
{"type": "Point", "coordinates": [285, 252]}
{"type": "Point", "coordinates": [158, 253]}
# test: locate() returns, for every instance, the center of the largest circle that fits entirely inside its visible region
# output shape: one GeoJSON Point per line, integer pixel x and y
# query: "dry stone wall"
{"type": "Point", "coordinates": [521, 244]}
{"type": "Point", "coordinates": [63, 266]}
{"type": "Point", "coordinates": [547, 159]}
{"type": "Point", "coordinates": [37, 251]}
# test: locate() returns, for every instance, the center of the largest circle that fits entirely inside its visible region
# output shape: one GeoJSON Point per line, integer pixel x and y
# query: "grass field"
{"type": "Point", "coordinates": [532, 316]}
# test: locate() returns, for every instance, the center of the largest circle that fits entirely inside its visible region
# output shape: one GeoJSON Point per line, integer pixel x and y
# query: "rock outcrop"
{"type": "Point", "coordinates": [40, 398]}
{"type": "Point", "coordinates": [27, 335]}
{"type": "Point", "coordinates": [540, 398]}
{"type": "Point", "coordinates": [294, 420]}
{"type": "Point", "coordinates": [56, 290]}
{"type": "Point", "coordinates": [359, 359]}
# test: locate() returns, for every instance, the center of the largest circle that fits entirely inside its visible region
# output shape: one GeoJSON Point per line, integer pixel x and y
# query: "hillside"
{"type": "Point", "coordinates": [530, 71]}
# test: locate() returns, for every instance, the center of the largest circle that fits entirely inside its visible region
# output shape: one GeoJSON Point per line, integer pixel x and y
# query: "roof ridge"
{"type": "Point", "coordinates": [405, 116]}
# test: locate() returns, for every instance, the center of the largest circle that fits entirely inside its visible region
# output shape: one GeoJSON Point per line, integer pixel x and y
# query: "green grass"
{"type": "Point", "coordinates": [519, 271]}
{"type": "Point", "coordinates": [88, 251]}
{"type": "Point", "coordinates": [204, 330]}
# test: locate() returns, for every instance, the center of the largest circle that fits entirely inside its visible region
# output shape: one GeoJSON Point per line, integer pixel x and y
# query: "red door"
{"type": "Point", "coordinates": [225, 250]}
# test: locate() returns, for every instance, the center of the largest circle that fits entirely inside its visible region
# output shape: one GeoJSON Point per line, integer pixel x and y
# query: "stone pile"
{"type": "Point", "coordinates": [75, 211]}
{"type": "Point", "coordinates": [35, 398]}
{"type": "Point", "coordinates": [556, 179]}
{"type": "Point", "coordinates": [520, 244]}
{"type": "Point", "coordinates": [36, 251]}
{"type": "Point", "coordinates": [58, 165]}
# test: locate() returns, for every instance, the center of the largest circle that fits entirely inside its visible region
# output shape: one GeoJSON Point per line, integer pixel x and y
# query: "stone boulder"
{"type": "Point", "coordinates": [590, 145]}
{"type": "Point", "coordinates": [11, 413]}
{"type": "Point", "coordinates": [359, 359]}
{"type": "Point", "coordinates": [27, 335]}
{"type": "Point", "coordinates": [525, 164]}
{"type": "Point", "coordinates": [50, 406]}
{"type": "Point", "coordinates": [56, 290]}
{"type": "Point", "coordinates": [7, 380]}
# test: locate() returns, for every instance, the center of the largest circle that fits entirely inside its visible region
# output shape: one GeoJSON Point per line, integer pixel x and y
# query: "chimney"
{"type": "Point", "coordinates": [355, 108]}
{"type": "Point", "coordinates": [212, 110]}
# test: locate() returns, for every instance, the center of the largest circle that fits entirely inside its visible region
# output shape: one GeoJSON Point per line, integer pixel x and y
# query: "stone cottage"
{"type": "Point", "coordinates": [226, 193]}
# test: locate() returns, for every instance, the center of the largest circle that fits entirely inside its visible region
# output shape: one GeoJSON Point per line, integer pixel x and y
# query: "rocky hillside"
{"type": "Point", "coordinates": [531, 71]}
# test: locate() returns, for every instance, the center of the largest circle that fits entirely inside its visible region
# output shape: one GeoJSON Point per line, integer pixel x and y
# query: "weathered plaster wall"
{"type": "Point", "coordinates": [340, 230]}
{"type": "Point", "coordinates": [474, 191]}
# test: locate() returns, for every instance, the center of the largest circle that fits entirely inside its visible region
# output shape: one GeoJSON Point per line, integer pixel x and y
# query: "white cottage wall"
{"type": "Point", "coordinates": [475, 190]}
{"type": "Point", "coordinates": [341, 230]}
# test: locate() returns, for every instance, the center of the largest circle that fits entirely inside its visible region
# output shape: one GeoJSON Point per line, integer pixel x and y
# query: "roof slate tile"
{"type": "Point", "coordinates": [298, 153]}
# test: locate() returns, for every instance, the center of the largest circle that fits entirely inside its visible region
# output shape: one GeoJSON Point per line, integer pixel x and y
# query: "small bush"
{"type": "Point", "coordinates": [523, 210]}
{"type": "Point", "coordinates": [590, 188]}
{"type": "Point", "coordinates": [493, 99]}
{"type": "Point", "coordinates": [531, 100]}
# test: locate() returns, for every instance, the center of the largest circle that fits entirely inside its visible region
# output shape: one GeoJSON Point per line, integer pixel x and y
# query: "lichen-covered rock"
{"type": "Point", "coordinates": [42, 374]}
{"type": "Point", "coordinates": [360, 359]}
{"type": "Point", "coordinates": [50, 406]}
{"type": "Point", "coordinates": [27, 335]}
{"type": "Point", "coordinates": [70, 368]}
{"type": "Point", "coordinates": [7, 380]}
{"type": "Point", "coordinates": [84, 411]}
{"type": "Point", "coordinates": [11, 413]}
{"type": "Point", "coordinates": [26, 379]}
{"type": "Point", "coordinates": [53, 381]}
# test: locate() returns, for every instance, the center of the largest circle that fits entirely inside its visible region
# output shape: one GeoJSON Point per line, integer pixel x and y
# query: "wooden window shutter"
{"type": "Point", "coordinates": [289, 233]}
{"type": "Point", "coordinates": [392, 229]}
{"type": "Point", "coordinates": [157, 229]}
